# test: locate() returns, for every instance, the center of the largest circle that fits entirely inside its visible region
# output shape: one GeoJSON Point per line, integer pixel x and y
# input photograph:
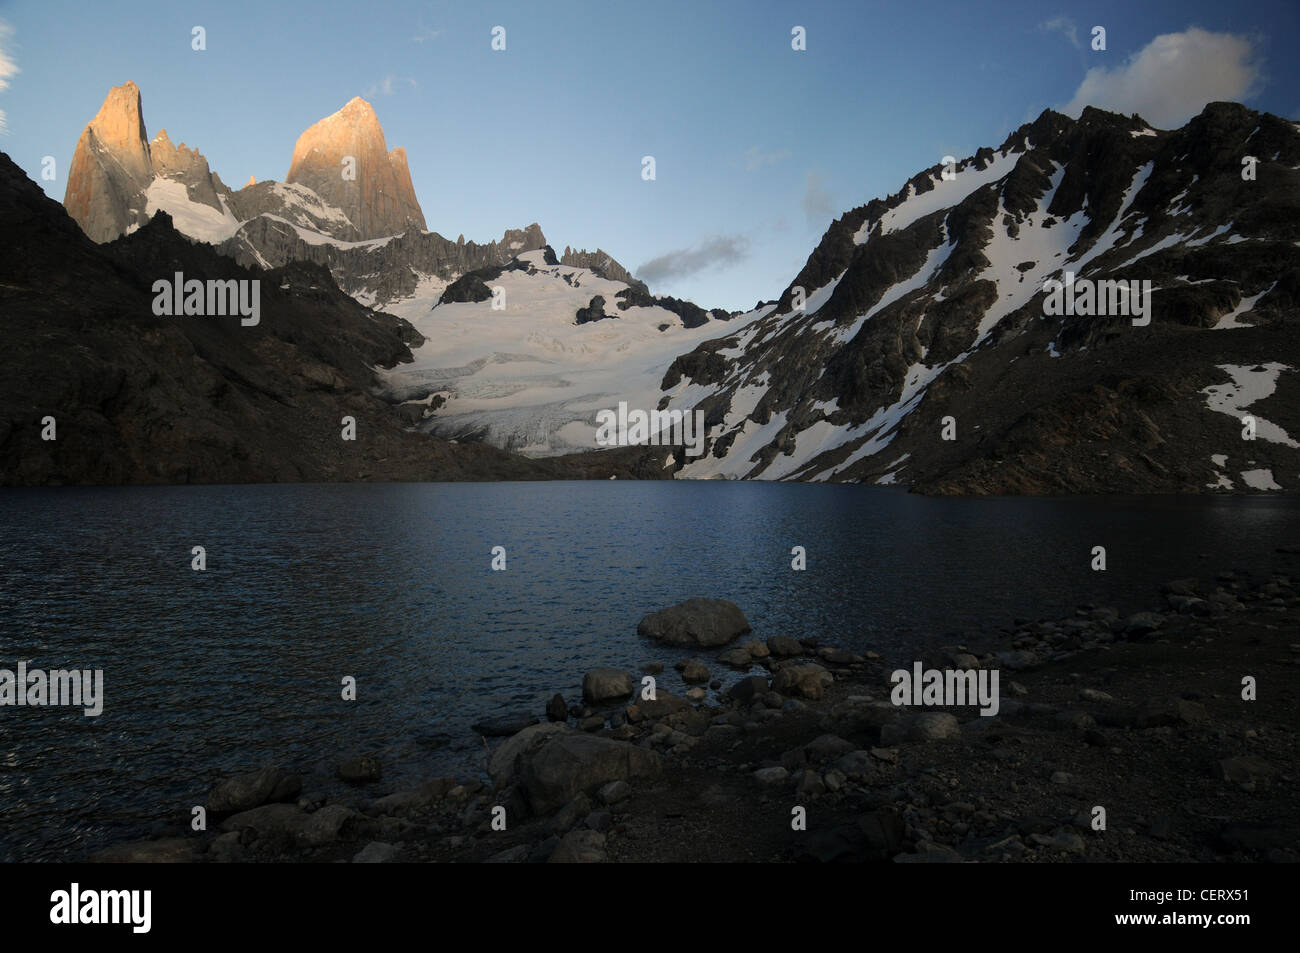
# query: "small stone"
{"type": "Point", "coordinates": [771, 777]}
{"type": "Point", "coordinates": [782, 646]}
{"type": "Point", "coordinates": [1067, 841]}
{"type": "Point", "coordinates": [557, 709]}
{"type": "Point", "coordinates": [377, 852]}
{"type": "Point", "coordinates": [695, 671]}
{"type": "Point", "coordinates": [606, 684]}
{"type": "Point", "coordinates": [613, 792]}
{"type": "Point", "coordinates": [358, 770]}
{"type": "Point", "coordinates": [737, 658]}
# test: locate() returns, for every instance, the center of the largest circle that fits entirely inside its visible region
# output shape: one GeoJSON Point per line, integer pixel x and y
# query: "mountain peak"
{"type": "Point", "coordinates": [119, 125]}
{"type": "Point", "coordinates": [345, 160]}
{"type": "Point", "coordinates": [113, 146]}
{"type": "Point", "coordinates": [357, 103]}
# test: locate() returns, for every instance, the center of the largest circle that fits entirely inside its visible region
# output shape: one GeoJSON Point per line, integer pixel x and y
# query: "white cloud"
{"type": "Point", "coordinates": [1064, 26]}
{"type": "Point", "coordinates": [717, 252]}
{"type": "Point", "coordinates": [817, 202]}
{"type": "Point", "coordinates": [1170, 80]}
{"type": "Point", "coordinates": [8, 67]}
{"type": "Point", "coordinates": [389, 85]}
{"type": "Point", "coordinates": [755, 157]}
{"type": "Point", "coordinates": [424, 35]}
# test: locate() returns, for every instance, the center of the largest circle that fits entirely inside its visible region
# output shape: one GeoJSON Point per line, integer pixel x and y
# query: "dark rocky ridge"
{"type": "Point", "coordinates": [144, 399]}
{"type": "Point", "coordinates": [383, 269]}
{"type": "Point", "coordinates": [602, 263]}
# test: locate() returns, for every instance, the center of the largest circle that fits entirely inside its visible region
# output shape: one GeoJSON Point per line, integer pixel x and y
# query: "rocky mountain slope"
{"type": "Point", "coordinates": [137, 397]}
{"type": "Point", "coordinates": [926, 352]}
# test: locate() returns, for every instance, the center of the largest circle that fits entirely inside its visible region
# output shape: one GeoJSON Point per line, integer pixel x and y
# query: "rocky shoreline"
{"type": "Point", "coordinates": [804, 757]}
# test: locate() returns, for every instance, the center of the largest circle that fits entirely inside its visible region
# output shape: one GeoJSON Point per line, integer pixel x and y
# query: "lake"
{"type": "Point", "coordinates": [218, 672]}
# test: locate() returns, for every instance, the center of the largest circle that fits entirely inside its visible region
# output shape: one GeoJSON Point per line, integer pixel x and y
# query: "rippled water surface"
{"type": "Point", "coordinates": [209, 673]}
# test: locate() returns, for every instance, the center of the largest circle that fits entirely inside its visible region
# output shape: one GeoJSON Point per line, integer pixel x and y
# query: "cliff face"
{"type": "Point", "coordinates": [111, 168]}
{"type": "Point", "coordinates": [115, 165]}
{"type": "Point", "coordinates": [342, 181]}
{"type": "Point", "coordinates": [345, 160]}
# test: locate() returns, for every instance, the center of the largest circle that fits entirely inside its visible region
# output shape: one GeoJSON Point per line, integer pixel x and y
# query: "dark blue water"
{"type": "Point", "coordinates": [211, 673]}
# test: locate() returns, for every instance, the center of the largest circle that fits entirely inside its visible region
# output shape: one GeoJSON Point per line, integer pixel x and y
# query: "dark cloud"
{"type": "Point", "coordinates": [717, 252]}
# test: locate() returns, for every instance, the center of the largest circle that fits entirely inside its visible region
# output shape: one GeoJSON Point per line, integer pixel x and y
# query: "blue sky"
{"type": "Point", "coordinates": [757, 146]}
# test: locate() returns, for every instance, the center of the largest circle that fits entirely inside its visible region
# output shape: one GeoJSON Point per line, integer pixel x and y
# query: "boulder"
{"type": "Point", "coordinates": [247, 791]}
{"type": "Point", "coordinates": [772, 777]}
{"type": "Point", "coordinates": [503, 765]}
{"type": "Point", "coordinates": [1245, 769]}
{"type": "Point", "coordinates": [782, 646]}
{"type": "Point", "coordinates": [270, 820]}
{"type": "Point", "coordinates": [736, 658]}
{"type": "Point", "coordinates": [325, 826]}
{"type": "Point", "coordinates": [694, 671]}
{"type": "Point", "coordinates": [571, 764]}
{"type": "Point", "coordinates": [1142, 623]}
{"type": "Point", "coordinates": [606, 684]}
{"type": "Point", "coordinates": [745, 690]}
{"type": "Point", "coordinates": [828, 748]}
{"type": "Point", "coordinates": [664, 704]}
{"type": "Point", "coordinates": [808, 680]}
{"type": "Point", "coordinates": [926, 726]}
{"type": "Point", "coordinates": [402, 802]}
{"type": "Point", "coordinates": [696, 622]}
{"type": "Point", "coordinates": [613, 792]}
{"type": "Point", "coordinates": [556, 709]}
{"type": "Point", "coordinates": [379, 853]}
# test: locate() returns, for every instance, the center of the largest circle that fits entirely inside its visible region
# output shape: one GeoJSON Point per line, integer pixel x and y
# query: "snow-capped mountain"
{"type": "Point", "coordinates": [927, 352]}
{"type": "Point", "coordinates": [944, 337]}
{"type": "Point", "coordinates": [568, 334]}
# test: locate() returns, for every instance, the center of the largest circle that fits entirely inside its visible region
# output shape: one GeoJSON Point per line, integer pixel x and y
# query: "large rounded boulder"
{"type": "Point", "coordinates": [696, 623]}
